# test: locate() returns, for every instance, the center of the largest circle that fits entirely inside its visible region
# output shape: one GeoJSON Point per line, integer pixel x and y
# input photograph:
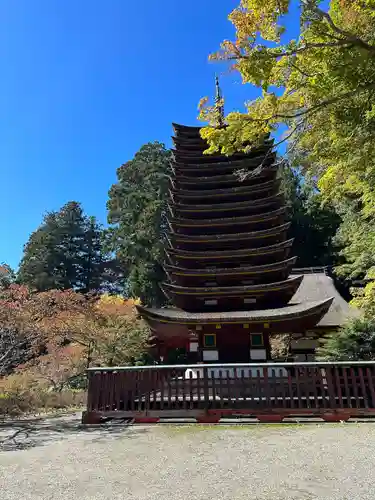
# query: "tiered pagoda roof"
{"type": "Point", "coordinates": [227, 250]}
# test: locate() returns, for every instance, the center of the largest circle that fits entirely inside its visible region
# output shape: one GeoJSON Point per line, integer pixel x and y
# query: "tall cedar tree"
{"type": "Point", "coordinates": [313, 226]}
{"type": "Point", "coordinates": [137, 207]}
{"type": "Point", "coordinates": [66, 252]}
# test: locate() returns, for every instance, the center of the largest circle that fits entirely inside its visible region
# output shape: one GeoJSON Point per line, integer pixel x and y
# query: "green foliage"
{"type": "Point", "coordinates": [124, 341]}
{"type": "Point", "coordinates": [66, 252]}
{"type": "Point", "coordinates": [324, 78]}
{"type": "Point", "coordinates": [321, 85]}
{"type": "Point", "coordinates": [364, 298]}
{"type": "Point", "coordinates": [7, 276]}
{"type": "Point", "coordinates": [313, 226]}
{"type": "Point", "coordinates": [136, 209]}
{"type": "Point", "coordinates": [354, 342]}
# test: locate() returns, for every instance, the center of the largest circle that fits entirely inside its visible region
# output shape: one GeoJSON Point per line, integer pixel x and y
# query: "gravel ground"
{"type": "Point", "coordinates": [59, 460]}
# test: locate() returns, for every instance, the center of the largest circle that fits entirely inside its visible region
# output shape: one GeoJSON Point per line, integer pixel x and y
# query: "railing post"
{"type": "Point", "coordinates": [330, 388]}
{"type": "Point", "coordinates": [206, 390]}
{"type": "Point", "coordinates": [207, 417]}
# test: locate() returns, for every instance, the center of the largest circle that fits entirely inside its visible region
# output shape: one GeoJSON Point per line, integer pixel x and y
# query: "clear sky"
{"type": "Point", "coordinates": [84, 84]}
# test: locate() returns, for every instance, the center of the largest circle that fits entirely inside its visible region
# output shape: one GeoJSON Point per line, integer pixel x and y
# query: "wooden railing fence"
{"type": "Point", "coordinates": [270, 392]}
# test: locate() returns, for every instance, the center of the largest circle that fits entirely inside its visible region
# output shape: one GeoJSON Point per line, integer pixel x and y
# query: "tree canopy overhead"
{"type": "Point", "coordinates": [330, 66]}
{"type": "Point", "coordinates": [321, 85]}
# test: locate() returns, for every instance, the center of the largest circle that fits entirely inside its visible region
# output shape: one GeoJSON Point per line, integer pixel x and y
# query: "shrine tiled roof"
{"type": "Point", "coordinates": [319, 286]}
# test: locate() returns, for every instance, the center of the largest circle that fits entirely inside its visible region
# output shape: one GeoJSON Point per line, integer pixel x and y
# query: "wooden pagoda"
{"type": "Point", "coordinates": [228, 260]}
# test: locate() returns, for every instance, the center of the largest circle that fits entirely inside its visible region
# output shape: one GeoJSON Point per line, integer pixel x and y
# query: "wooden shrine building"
{"type": "Point", "coordinates": [228, 262]}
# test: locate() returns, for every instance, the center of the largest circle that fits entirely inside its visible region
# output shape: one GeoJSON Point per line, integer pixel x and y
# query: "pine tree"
{"type": "Point", "coordinates": [66, 252]}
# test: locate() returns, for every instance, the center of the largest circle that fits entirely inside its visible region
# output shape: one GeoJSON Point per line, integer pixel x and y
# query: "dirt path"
{"type": "Point", "coordinates": [57, 459]}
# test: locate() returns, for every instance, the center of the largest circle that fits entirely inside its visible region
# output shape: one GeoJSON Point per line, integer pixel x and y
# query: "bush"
{"type": "Point", "coordinates": [280, 346]}
{"type": "Point", "coordinates": [354, 342]}
{"type": "Point", "coordinates": [20, 394]}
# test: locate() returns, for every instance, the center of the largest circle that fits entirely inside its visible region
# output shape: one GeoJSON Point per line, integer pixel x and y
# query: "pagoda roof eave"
{"type": "Point", "coordinates": [230, 253]}
{"type": "Point", "coordinates": [229, 191]}
{"type": "Point", "coordinates": [244, 161]}
{"type": "Point", "coordinates": [228, 291]}
{"type": "Point", "coordinates": [235, 205]}
{"type": "Point", "coordinates": [196, 128]}
{"type": "Point", "coordinates": [224, 221]}
{"type": "Point", "coordinates": [249, 270]}
{"type": "Point", "coordinates": [191, 141]}
{"type": "Point", "coordinates": [178, 126]}
{"type": "Point", "coordinates": [192, 157]}
{"type": "Point", "coordinates": [291, 311]}
{"type": "Point", "coordinates": [226, 237]}
{"type": "Point", "coordinates": [225, 178]}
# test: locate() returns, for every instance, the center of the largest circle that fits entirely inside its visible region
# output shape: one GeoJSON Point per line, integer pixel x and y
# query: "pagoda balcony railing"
{"type": "Point", "coordinates": [208, 392]}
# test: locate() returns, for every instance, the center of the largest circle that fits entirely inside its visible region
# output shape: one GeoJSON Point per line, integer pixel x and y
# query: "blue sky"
{"type": "Point", "coordinates": [84, 84]}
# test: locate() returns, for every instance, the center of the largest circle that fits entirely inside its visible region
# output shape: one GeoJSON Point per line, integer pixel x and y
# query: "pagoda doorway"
{"type": "Point", "coordinates": [233, 344]}
{"type": "Point", "coordinates": [234, 354]}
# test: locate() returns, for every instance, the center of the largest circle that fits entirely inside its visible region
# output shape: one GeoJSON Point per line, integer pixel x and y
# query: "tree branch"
{"type": "Point", "coordinates": [308, 75]}
{"type": "Point", "coordinates": [4, 357]}
{"type": "Point", "coordinates": [326, 102]}
{"type": "Point", "coordinates": [243, 175]}
{"type": "Point", "coordinates": [349, 36]}
{"type": "Point", "coordinates": [297, 50]}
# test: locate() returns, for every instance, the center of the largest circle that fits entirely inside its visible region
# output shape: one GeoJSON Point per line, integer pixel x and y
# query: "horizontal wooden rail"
{"type": "Point", "coordinates": [225, 365]}
{"type": "Point", "coordinates": [268, 391]}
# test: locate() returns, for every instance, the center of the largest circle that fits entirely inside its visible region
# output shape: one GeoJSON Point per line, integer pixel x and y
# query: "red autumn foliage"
{"type": "Point", "coordinates": [105, 329]}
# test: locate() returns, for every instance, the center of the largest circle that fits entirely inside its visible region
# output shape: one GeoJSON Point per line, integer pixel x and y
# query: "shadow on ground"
{"type": "Point", "coordinates": [25, 434]}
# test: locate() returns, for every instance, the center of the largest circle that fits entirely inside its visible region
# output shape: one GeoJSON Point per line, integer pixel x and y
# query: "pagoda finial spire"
{"type": "Point", "coordinates": [219, 105]}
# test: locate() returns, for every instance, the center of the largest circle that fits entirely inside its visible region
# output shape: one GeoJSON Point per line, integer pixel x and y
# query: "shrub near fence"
{"type": "Point", "coordinates": [20, 394]}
